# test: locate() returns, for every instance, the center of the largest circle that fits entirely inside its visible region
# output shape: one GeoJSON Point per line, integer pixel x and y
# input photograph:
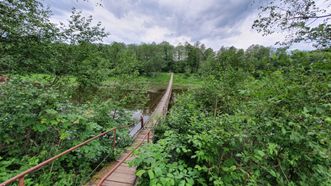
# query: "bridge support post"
{"type": "Point", "coordinates": [114, 137]}
{"type": "Point", "coordinates": [142, 121]}
{"type": "Point", "coordinates": [21, 181]}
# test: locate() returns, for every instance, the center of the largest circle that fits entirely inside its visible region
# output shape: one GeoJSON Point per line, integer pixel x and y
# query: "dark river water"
{"type": "Point", "coordinates": [154, 98]}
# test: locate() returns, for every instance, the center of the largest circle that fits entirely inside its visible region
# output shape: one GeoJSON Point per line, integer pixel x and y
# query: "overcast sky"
{"type": "Point", "coordinates": [215, 23]}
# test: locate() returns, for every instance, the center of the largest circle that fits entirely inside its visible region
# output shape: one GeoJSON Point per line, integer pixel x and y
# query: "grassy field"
{"type": "Point", "coordinates": [181, 81]}
{"type": "Point", "coordinates": [160, 81]}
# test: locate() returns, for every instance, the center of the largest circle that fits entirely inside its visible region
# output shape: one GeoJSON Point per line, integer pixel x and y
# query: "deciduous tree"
{"type": "Point", "coordinates": [300, 20]}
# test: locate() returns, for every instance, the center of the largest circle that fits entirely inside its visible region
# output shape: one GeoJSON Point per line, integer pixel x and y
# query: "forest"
{"type": "Point", "coordinates": [255, 116]}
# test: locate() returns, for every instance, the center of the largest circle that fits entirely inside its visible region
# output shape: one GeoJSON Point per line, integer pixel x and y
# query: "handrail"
{"type": "Point", "coordinates": [123, 159]}
{"type": "Point", "coordinates": [20, 177]}
{"type": "Point", "coordinates": [159, 110]}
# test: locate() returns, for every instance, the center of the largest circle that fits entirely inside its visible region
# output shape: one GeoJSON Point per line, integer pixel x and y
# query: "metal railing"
{"type": "Point", "coordinates": [20, 177]}
{"type": "Point", "coordinates": [160, 110]}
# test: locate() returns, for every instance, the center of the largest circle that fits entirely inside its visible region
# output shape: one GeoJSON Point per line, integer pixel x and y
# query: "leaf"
{"type": "Point", "coordinates": [259, 154]}
{"type": "Point", "coordinates": [272, 148]}
{"type": "Point", "coordinates": [272, 172]}
{"type": "Point", "coordinates": [140, 173]}
{"type": "Point", "coordinates": [158, 171]}
{"type": "Point", "coordinates": [150, 174]}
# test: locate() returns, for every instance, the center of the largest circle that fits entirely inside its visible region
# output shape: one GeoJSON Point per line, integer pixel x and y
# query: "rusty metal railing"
{"type": "Point", "coordinates": [20, 177]}
{"type": "Point", "coordinates": [125, 158]}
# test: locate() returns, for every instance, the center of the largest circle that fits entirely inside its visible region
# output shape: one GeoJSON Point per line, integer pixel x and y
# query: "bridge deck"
{"type": "Point", "coordinates": [123, 174]}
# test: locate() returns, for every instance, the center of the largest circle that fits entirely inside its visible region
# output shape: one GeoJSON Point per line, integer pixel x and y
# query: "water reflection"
{"type": "Point", "coordinates": [154, 98]}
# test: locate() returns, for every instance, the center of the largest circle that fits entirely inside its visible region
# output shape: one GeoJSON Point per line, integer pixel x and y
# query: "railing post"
{"type": "Point", "coordinates": [114, 137]}
{"type": "Point", "coordinates": [142, 121]}
{"type": "Point", "coordinates": [148, 136]}
{"type": "Point", "coordinates": [21, 181]}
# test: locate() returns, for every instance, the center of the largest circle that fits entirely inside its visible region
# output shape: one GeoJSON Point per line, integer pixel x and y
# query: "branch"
{"type": "Point", "coordinates": [312, 17]}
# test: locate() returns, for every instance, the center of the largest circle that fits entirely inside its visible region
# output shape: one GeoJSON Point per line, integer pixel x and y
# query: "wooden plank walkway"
{"type": "Point", "coordinates": [124, 175]}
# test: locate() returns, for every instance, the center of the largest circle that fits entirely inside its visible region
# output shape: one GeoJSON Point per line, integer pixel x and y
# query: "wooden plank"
{"type": "Point", "coordinates": [125, 165]}
{"type": "Point", "coordinates": [114, 183]}
{"type": "Point", "coordinates": [123, 169]}
{"type": "Point", "coordinates": [122, 178]}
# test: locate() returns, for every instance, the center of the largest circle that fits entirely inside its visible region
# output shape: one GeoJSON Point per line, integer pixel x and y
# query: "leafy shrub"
{"type": "Point", "coordinates": [273, 129]}
{"type": "Point", "coordinates": [38, 121]}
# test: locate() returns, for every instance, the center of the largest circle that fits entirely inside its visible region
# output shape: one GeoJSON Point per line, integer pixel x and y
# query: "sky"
{"type": "Point", "coordinates": [215, 23]}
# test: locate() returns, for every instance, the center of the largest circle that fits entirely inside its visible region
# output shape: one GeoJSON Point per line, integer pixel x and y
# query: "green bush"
{"type": "Point", "coordinates": [38, 121]}
{"type": "Point", "coordinates": [243, 129]}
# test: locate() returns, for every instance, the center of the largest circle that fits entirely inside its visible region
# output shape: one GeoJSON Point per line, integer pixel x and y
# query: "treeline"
{"type": "Point", "coordinates": [62, 58]}
{"type": "Point", "coordinates": [30, 43]}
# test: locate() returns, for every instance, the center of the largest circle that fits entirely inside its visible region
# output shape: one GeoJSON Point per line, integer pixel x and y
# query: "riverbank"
{"type": "Point", "coordinates": [154, 82]}
{"type": "Point", "coordinates": [159, 81]}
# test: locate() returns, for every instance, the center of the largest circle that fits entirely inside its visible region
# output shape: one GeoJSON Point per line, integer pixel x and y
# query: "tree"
{"type": "Point", "coordinates": [300, 20]}
{"type": "Point", "coordinates": [25, 34]}
{"type": "Point", "coordinates": [153, 57]}
{"type": "Point", "coordinates": [257, 57]}
{"type": "Point", "coordinates": [194, 56]}
{"type": "Point", "coordinates": [26, 18]}
{"type": "Point", "coordinates": [126, 64]}
{"type": "Point", "coordinates": [80, 29]}
{"type": "Point", "coordinates": [84, 57]}
{"type": "Point", "coordinates": [167, 56]}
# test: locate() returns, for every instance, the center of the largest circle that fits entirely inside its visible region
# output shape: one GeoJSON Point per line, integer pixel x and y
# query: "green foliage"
{"type": "Point", "coordinates": [126, 91]}
{"type": "Point", "coordinates": [259, 116]}
{"type": "Point", "coordinates": [38, 121]}
{"type": "Point", "coordinates": [25, 35]}
{"type": "Point", "coordinates": [81, 30]}
{"type": "Point", "coordinates": [24, 20]}
{"type": "Point", "coordinates": [126, 64]}
{"type": "Point", "coordinates": [161, 80]}
{"type": "Point", "coordinates": [90, 74]}
{"type": "Point", "coordinates": [265, 125]}
{"type": "Point", "coordinates": [159, 171]}
{"type": "Point", "coordinates": [294, 18]}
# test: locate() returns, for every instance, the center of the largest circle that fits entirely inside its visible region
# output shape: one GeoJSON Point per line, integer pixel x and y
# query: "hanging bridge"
{"type": "Point", "coordinates": [120, 174]}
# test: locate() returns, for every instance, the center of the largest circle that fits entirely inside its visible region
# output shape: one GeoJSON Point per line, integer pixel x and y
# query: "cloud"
{"type": "Point", "coordinates": [194, 18]}
{"type": "Point", "coordinates": [213, 22]}
{"type": "Point", "coordinates": [62, 7]}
